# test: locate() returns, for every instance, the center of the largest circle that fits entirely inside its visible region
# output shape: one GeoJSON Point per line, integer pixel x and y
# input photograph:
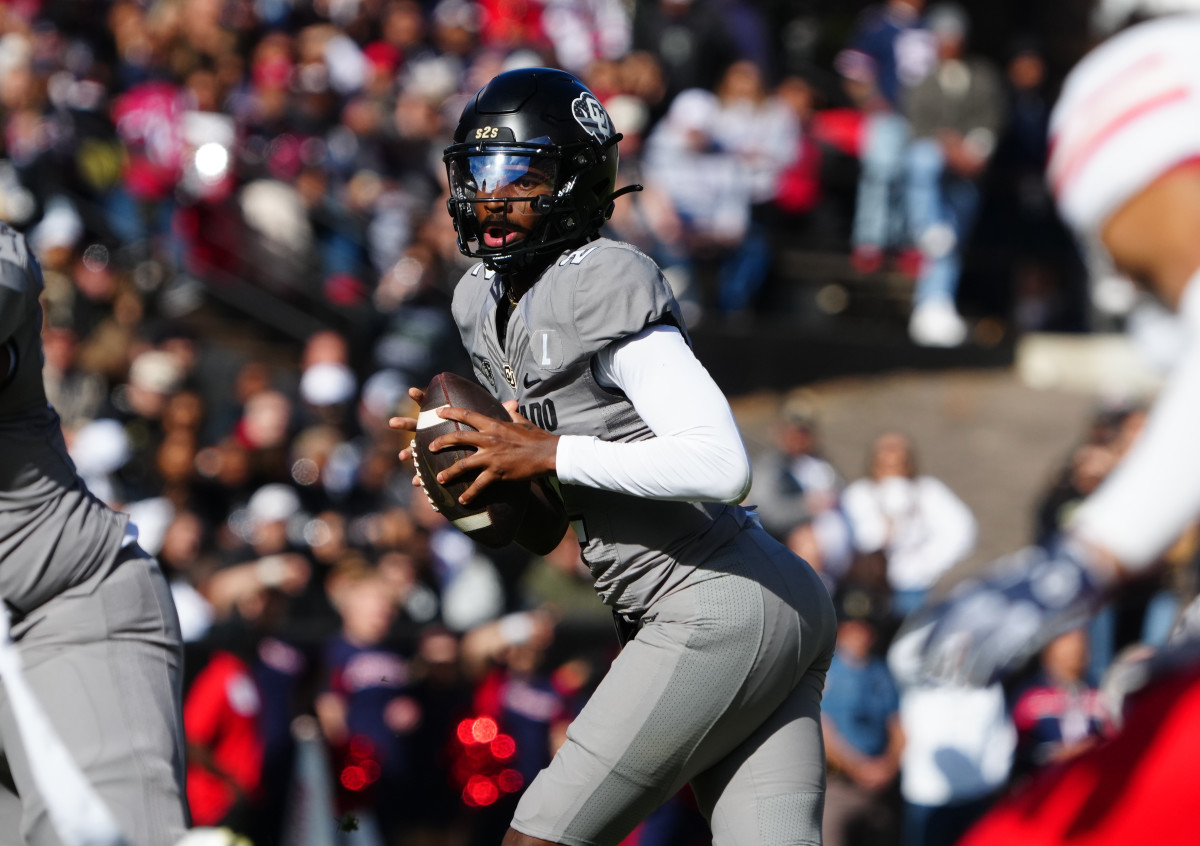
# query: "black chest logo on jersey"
{"type": "Point", "coordinates": [485, 367]}
{"type": "Point", "coordinates": [591, 116]}
{"type": "Point", "coordinates": [510, 375]}
{"type": "Point", "coordinates": [528, 382]}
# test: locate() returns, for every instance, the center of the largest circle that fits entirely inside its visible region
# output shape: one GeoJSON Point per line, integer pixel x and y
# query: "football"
{"type": "Point", "coordinates": [494, 517]}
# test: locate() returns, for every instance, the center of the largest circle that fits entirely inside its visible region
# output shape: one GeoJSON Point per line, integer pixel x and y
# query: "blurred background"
{"type": "Point", "coordinates": [239, 207]}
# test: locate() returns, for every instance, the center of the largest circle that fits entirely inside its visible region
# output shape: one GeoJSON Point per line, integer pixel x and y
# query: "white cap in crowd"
{"type": "Point", "coordinates": [1128, 113]}
{"type": "Point", "coordinates": [272, 503]}
{"type": "Point", "coordinates": [328, 383]}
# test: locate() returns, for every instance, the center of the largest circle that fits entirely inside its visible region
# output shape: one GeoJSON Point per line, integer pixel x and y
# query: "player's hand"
{"type": "Point", "coordinates": [992, 624]}
{"type": "Point", "coordinates": [510, 451]}
{"type": "Point", "coordinates": [408, 424]}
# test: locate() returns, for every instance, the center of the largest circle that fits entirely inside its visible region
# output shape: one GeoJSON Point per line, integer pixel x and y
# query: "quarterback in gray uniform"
{"type": "Point", "coordinates": [91, 613]}
{"type": "Point", "coordinates": [719, 683]}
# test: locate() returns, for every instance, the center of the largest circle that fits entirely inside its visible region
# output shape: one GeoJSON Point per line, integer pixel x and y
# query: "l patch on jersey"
{"type": "Point", "coordinates": [546, 349]}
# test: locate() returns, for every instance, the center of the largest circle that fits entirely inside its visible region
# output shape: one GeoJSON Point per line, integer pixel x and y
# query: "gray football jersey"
{"type": "Point", "coordinates": [53, 532]}
{"type": "Point", "coordinates": [636, 548]}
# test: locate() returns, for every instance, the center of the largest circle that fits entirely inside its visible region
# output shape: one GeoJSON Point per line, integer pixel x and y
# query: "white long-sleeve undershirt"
{"type": "Point", "coordinates": [1154, 493]}
{"type": "Point", "coordinates": [697, 452]}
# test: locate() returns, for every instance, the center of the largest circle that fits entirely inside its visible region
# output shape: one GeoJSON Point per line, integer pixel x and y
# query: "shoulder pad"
{"type": "Point", "coordinates": [610, 290]}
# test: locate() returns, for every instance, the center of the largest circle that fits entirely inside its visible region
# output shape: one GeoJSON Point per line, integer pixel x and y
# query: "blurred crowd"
{"type": "Point", "coordinates": [283, 156]}
{"type": "Point", "coordinates": [239, 210]}
{"type": "Point", "coordinates": [912, 763]}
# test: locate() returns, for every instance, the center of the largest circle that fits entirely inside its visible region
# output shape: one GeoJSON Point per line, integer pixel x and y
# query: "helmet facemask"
{"type": "Point", "coordinates": [515, 204]}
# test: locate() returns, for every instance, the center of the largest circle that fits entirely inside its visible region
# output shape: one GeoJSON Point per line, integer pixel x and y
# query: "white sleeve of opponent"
{"type": "Point", "coordinates": [1154, 493]}
{"type": "Point", "coordinates": [697, 452]}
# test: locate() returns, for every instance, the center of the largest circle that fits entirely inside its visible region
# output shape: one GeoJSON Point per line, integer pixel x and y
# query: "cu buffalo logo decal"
{"type": "Point", "coordinates": [486, 367]}
{"type": "Point", "coordinates": [591, 116]}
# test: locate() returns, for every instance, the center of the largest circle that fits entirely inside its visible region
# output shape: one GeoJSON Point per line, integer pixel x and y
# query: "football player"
{"type": "Point", "coordinates": [729, 634]}
{"type": "Point", "coordinates": [1125, 171]}
{"type": "Point", "coordinates": [92, 616]}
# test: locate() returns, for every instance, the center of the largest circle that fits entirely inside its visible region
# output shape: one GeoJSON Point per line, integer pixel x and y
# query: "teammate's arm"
{"type": "Point", "coordinates": [1154, 493]}
{"type": "Point", "coordinates": [994, 623]}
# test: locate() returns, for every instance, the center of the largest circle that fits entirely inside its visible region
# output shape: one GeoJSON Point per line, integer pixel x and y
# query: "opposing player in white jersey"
{"type": "Point", "coordinates": [91, 613]}
{"type": "Point", "coordinates": [719, 684]}
{"type": "Point", "coordinates": [1125, 171]}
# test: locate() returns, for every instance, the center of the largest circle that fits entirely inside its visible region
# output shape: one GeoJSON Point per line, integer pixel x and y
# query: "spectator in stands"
{"type": "Point", "coordinates": [956, 113]}
{"type": "Point", "coordinates": [797, 493]}
{"type": "Point", "coordinates": [263, 430]}
{"type": "Point", "coordinates": [889, 50]}
{"type": "Point", "coordinates": [649, 219]}
{"type": "Point", "coordinates": [155, 376]}
{"type": "Point", "coordinates": [719, 156]}
{"type": "Point", "coordinates": [958, 750]}
{"type": "Point", "coordinates": [1085, 468]}
{"type": "Point", "coordinates": [77, 394]}
{"type": "Point", "coordinates": [519, 690]}
{"type": "Point", "coordinates": [690, 40]}
{"type": "Point", "coordinates": [405, 30]}
{"type": "Point", "coordinates": [1030, 272]}
{"type": "Point", "coordinates": [861, 723]}
{"type": "Point", "coordinates": [586, 31]}
{"type": "Point", "coordinates": [798, 189]}
{"type": "Point", "coordinates": [225, 744]}
{"type": "Point", "coordinates": [365, 706]}
{"type": "Point", "coordinates": [1059, 713]}
{"type": "Point", "coordinates": [187, 561]}
{"type": "Point", "coordinates": [266, 561]}
{"type": "Point", "coordinates": [763, 134]}
{"type": "Point", "coordinates": [699, 178]}
{"type": "Point", "coordinates": [917, 522]}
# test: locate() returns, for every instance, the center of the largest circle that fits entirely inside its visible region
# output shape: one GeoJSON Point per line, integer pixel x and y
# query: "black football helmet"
{"type": "Point", "coordinates": [543, 150]}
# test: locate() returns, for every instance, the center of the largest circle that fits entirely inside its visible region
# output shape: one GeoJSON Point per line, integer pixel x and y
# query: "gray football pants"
{"type": "Point", "coordinates": [105, 661]}
{"type": "Point", "coordinates": [720, 688]}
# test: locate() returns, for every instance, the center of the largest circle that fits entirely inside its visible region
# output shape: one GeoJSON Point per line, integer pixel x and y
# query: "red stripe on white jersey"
{"type": "Point", "coordinates": [1145, 87]}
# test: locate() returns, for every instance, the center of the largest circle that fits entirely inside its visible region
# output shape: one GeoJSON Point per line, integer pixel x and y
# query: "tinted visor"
{"type": "Point", "coordinates": [505, 175]}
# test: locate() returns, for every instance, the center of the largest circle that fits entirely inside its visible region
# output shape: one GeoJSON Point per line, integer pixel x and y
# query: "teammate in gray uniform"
{"type": "Point", "coordinates": [720, 682]}
{"type": "Point", "coordinates": [92, 615]}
